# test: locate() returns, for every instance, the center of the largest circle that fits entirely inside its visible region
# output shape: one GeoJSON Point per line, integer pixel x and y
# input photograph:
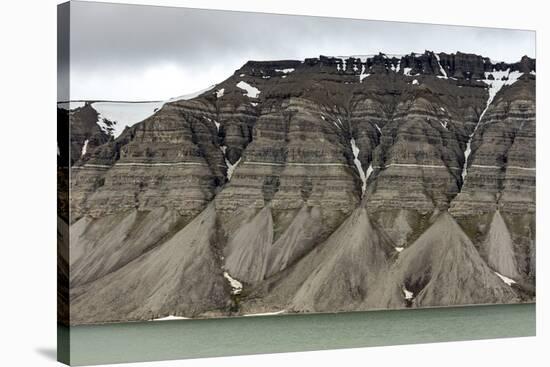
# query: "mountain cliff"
{"type": "Point", "coordinates": [332, 183]}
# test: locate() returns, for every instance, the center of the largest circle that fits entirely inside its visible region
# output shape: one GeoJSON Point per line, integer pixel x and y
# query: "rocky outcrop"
{"type": "Point", "coordinates": [169, 160]}
{"type": "Point", "coordinates": [86, 134]}
{"type": "Point", "coordinates": [328, 184]}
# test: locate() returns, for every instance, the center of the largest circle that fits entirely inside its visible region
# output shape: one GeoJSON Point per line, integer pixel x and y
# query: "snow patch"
{"type": "Point", "coordinates": [123, 114]}
{"type": "Point", "coordinates": [396, 68]}
{"type": "Point", "coordinates": [506, 279]}
{"type": "Point", "coordinates": [407, 71]}
{"type": "Point", "coordinates": [344, 65]}
{"type": "Point", "coordinates": [500, 79]}
{"type": "Point", "coordinates": [408, 294]}
{"type": "Point", "coordinates": [415, 82]}
{"type": "Point", "coordinates": [285, 71]}
{"type": "Point", "coordinates": [171, 317]}
{"type": "Point", "coordinates": [378, 128]}
{"type": "Point", "coordinates": [363, 58]}
{"type": "Point", "coordinates": [399, 249]}
{"type": "Point", "coordinates": [236, 286]}
{"type": "Point", "coordinates": [266, 313]}
{"type": "Point", "coordinates": [219, 93]}
{"type": "Point", "coordinates": [251, 91]}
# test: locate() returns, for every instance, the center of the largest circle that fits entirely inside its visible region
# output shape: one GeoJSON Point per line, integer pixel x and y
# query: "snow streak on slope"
{"type": "Point", "coordinates": [505, 279]}
{"type": "Point", "coordinates": [369, 172]}
{"type": "Point", "coordinates": [443, 72]}
{"type": "Point", "coordinates": [357, 162]}
{"type": "Point", "coordinates": [501, 78]}
{"type": "Point", "coordinates": [84, 148]}
{"type": "Point", "coordinates": [231, 168]}
{"type": "Point", "coordinates": [363, 75]}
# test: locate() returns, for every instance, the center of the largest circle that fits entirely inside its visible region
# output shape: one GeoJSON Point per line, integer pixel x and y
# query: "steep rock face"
{"type": "Point", "coordinates": [500, 173]}
{"type": "Point", "coordinates": [170, 160]}
{"type": "Point", "coordinates": [313, 169]}
{"type": "Point", "coordinates": [86, 134]}
{"type": "Point", "coordinates": [415, 140]}
{"type": "Point", "coordinates": [498, 166]}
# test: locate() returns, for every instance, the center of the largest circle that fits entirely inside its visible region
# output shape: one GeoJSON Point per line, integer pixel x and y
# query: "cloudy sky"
{"type": "Point", "coordinates": [130, 52]}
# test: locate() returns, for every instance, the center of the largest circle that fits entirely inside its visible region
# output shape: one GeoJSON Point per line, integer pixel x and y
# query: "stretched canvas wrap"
{"type": "Point", "coordinates": [214, 165]}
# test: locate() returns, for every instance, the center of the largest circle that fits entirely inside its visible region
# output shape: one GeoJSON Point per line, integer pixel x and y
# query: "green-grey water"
{"type": "Point", "coordinates": [149, 341]}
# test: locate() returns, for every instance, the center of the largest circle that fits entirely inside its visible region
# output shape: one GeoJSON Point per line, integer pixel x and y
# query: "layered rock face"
{"type": "Point", "coordinates": [171, 159]}
{"type": "Point", "coordinates": [327, 184]}
{"type": "Point", "coordinates": [85, 133]}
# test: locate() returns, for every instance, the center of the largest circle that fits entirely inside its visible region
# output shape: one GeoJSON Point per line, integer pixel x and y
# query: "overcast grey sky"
{"type": "Point", "coordinates": [132, 52]}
